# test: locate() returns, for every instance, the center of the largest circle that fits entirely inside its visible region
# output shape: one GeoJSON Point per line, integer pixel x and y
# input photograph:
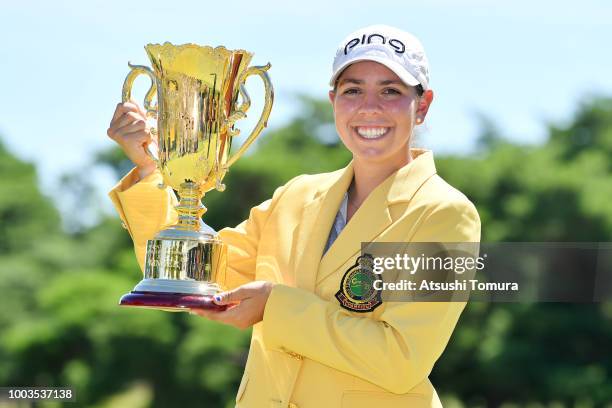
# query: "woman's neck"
{"type": "Point", "coordinates": [367, 176]}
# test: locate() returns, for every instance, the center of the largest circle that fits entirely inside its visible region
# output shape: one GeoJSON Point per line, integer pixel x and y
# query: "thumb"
{"type": "Point", "coordinates": [231, 296]}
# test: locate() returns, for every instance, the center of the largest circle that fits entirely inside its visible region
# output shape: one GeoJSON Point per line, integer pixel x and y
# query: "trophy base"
{"type": "Point", "coordinates": [170, 302]}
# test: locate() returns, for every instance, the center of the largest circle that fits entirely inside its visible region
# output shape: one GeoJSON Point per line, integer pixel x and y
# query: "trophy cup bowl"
{"type": "Point", "coordinates": [197, 90]}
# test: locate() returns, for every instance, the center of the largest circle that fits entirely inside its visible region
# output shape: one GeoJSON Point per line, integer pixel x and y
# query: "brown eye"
{"type": "Point", "coordinates": [351, 91]}
{"type": "Point", "coordinates": [391, 91]}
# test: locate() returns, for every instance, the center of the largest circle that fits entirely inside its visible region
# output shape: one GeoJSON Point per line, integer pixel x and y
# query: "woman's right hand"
{"type": "Point", "coordinates": [129, 129]}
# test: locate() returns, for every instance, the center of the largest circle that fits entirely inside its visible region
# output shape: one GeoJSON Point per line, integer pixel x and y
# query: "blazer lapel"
{"type": "Point", "coordinates": [315, 225]}
{"type": "Point", "coordinates": [370, 220]}
{"type": "Point", "coordinates": [374, 217]}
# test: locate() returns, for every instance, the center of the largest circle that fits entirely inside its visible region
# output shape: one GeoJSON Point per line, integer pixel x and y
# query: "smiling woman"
{"type": "Point", "coordinates": [371, 101]}
{"type": "Point", "coordinates": [375, 114]}
{"type": "Point", "coordinates": [295, 268]}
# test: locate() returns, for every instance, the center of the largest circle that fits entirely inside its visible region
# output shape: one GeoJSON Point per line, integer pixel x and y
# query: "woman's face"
{"type": "Point", "coordinates": [375, 112]}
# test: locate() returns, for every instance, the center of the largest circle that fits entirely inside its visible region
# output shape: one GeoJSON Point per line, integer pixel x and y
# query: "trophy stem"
{"type": "Point", "coordinates": [190, 208]}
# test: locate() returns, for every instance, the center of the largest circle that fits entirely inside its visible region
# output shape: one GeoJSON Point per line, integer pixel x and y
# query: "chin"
{"type": "Point", "coordinates": [385, 157]}
{"type": "Point", "coordinates": [372, 157]}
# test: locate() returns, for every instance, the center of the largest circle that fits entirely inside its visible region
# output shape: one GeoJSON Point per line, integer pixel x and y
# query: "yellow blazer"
{"type": "Point", "coordinates": [308, 351]}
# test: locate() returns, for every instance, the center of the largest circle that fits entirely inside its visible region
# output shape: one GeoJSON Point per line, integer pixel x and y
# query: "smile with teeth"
{"type": "Point", "coordinates": [370, 132]}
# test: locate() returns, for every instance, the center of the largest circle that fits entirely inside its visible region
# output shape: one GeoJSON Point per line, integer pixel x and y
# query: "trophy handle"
{"type": "Point", "coordinates": [150, 108]}
{"type": "Point", "coordinates": [240, 111]}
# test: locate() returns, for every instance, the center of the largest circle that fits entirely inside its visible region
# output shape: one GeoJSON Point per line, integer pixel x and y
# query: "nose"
{"type": "Point", "coordinates": [370, 103]}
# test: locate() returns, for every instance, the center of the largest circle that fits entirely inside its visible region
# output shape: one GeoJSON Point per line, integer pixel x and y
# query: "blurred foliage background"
{"type": "Point", "coordinates": [60, 324]}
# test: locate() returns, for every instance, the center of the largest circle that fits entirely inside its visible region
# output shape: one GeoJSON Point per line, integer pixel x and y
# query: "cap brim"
{"type": "Point", "coordinates": [399, 70]}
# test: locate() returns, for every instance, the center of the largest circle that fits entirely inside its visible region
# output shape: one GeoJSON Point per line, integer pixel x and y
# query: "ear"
{"type": "Point", "coordinates": [332, 96]}
{"type": "Point", "coordinates": [424, 103]}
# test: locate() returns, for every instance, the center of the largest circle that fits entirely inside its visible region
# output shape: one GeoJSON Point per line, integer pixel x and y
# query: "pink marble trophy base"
{"type": "Point", "coordinates": [172, 302]}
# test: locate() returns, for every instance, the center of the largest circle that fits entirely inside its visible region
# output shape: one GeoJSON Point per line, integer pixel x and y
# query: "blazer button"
{"type": "Point", "coordinates": [295, 355]}
{"type": "Point", "coordinates": [123, 224]}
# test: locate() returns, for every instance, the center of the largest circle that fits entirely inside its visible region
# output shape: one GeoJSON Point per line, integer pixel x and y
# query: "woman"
{"type": "Point", "coordinates": [312, 346]}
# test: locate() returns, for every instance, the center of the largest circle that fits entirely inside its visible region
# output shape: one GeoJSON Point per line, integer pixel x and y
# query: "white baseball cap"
{"type": "Point", "coordinates": [398, 50]}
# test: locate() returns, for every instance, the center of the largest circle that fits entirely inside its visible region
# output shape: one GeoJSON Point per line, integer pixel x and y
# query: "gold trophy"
{"type": "Point", "coordinates": [197, 91]}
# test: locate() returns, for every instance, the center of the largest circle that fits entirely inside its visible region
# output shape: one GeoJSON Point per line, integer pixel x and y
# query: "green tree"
{"type": "Point", "coordinates": [59, 320]}
{"type": "Point", "coordinates": [60, 325]}
{"type": "Point", "coordinates": [557, 191]}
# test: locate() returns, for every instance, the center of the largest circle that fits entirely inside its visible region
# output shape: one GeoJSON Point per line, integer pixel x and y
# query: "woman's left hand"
{"type": "Point", "coordinates": [246, 305]}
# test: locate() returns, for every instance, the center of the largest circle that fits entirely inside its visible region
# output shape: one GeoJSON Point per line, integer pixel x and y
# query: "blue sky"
{"type": "Point", "coordinates": [523, 63]}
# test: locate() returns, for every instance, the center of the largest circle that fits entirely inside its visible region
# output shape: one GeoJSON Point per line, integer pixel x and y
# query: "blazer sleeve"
{"type": "Point", "coordinates": [145, 209]}
{"type": "Point", "coordinates": [243, 241]}
{"type": "Point", "coordinates": [396, 351]}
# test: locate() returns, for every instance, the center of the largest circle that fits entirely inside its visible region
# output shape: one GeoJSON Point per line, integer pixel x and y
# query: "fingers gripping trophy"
{"type": "Point", "coordinates": [200, 94]}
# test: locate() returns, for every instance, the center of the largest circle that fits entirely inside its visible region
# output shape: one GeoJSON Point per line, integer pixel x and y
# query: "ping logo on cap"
{"type": "Point", "coordinates": [394, 43]}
